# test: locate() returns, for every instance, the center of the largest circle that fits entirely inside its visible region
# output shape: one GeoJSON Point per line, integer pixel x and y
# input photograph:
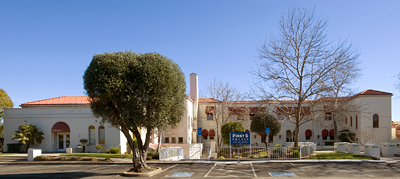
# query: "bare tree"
{"type": "Point", "coordinates": [336, 103]}
{"type": "Point", "coordinates": [366, 136]}
{"type": "Point", "coordinates": [226, 96]}
{"type": "Point", "coordinates": [296, 64]}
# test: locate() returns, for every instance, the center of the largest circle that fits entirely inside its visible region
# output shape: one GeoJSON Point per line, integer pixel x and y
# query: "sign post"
{"type": "Point", "coordinates": [200, 132]}
{"type": "Point", "coordinates": [267, 131]}
{"type": "Point", "coordinates": [238, 138]}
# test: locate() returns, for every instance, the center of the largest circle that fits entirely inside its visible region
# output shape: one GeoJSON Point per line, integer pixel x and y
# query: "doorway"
{"type": "Point", "coordinates": [63, 141]}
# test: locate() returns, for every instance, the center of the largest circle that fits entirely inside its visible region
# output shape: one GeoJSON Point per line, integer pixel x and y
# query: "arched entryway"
{"type": "Point", "coordinates": [62, 136]}
{"type": "Point", "coordinates": [289, 137]}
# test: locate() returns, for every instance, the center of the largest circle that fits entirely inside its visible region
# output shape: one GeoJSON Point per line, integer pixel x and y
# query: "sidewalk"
{"type": "Point", "coordinates": [24, 157]}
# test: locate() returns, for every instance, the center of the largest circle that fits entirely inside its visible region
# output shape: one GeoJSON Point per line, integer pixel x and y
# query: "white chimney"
{"type": "Point", "coordinates": [194, 92]}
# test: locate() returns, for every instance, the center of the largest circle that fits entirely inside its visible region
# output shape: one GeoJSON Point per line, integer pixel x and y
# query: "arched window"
{"type": "Point", "coordinates": [332, 134]}
{"type": "Point", "coordinates": [375, 121]}
{"type": "Point", "coordinates": [102, 135]}
{"type": "Point", "coordinates": [325, 134]}
{"type": "Point", "coordinates": [351, 121]}
{"type": "Point", "coordinates": [308, 134]}
{"type": "Point", "coordinates": [92, 135]}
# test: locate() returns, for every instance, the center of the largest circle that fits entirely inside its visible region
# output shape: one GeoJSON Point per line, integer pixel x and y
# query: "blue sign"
{"type": "Point", "coordinates": [287, 174]}
{"type": "Point", "coordinates": [199, 131]}
{"type": "Point", "coordinates": [240, 138]}
{"type": "Point", "coordinates": [267, 131]}
{"type": "Point", "coordinates": [180, 174]}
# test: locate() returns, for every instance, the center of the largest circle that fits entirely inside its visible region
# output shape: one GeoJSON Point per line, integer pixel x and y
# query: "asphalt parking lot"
{"type": "Point", "coordinates": [204, 170]}
{"type": "Point", "coordinates": [18, 167]}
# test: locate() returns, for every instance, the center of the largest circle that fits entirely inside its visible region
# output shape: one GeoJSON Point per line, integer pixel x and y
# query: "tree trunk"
{"type": "Point", "coordinates": [83, 148]}
{"type": "Point", "coordinates": [139, 162]}
{"type": "Point", "coordinates": [335, 128]}
{"type": "Point", "coordinates": [27, 147]}
{"type": "Point", "coordinates": [296, 134]}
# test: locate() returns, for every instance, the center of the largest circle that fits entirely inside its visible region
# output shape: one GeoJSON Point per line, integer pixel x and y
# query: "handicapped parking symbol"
{"type": "Point", "coordinates": [180, 174]}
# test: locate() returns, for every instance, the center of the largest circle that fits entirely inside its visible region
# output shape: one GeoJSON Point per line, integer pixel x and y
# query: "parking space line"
{"type": "Point", "coordinates": [297, 167]}
{"type": "Point", "coordinates": [165, 169]}
{"type": "Point", "coordinates": [210, 170]}
{"type": "Point", "coordinates": [254, 172]}
{"type": "Point", "coordinates": [341, 166]}
{"type": "Point", "coordinates": [102, 167]}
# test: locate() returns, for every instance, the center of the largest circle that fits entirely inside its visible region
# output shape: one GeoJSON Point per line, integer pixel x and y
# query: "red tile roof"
{"type": "Point", "coordinates": [374, 92]}
{"type": "Point", "coordinates": [63, 100]}
{"type": "Point", "coordinates": [208, 100]}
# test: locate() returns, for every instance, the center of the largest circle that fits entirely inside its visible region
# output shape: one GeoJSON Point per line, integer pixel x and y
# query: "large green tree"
{"type": "Point", "coordinates": [229, 127]}
{"type": "Point", "coordinates": [263, 120]}
{"type": "Point", "coordinates": [5, 102]}
{"type": "Point", "coordinates": [134, 91]}
{"type": "Point", "coordinates": [28, 134]}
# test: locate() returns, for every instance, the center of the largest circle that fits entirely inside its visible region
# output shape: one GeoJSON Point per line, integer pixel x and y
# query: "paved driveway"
{"type": "Point", "coordinates": [203, 170]}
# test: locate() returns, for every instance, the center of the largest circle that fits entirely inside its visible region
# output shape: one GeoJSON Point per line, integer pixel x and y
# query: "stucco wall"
{"type": "Point", "coordinates": [370, 105]}
{"type": "Point", "coordinates": [77, 118]}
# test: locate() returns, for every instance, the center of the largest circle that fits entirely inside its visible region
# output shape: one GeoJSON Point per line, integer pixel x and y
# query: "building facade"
{"type": "Point", "coordinates": [67, 119]}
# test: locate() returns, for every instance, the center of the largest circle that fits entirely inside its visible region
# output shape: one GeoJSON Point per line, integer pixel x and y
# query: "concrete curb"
{"type": "Point", "coordinates": [158, 170]}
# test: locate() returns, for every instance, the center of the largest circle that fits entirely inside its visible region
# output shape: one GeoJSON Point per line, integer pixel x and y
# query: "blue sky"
{"type": "Point", "coordinates": [45, 46]}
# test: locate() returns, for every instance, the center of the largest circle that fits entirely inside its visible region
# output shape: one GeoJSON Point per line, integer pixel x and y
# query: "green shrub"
{"type": "Point", "coordinates": [153, 154]}
{"type": "Point", "coordinates": [99, 147]}
{"type": "Point", "coordinates": [108, 151]}
{"type": "Point", "coordinates": [149, 157]}
{"type": "Point", "coordinates": [329, 143]}
{"type": "Point", "coordinates": [221, 157]}
{"type": "Point", "coordinates": [236, 156]}
{"type": "Point", "coordinates": [14, 148]}
{"type": "Point", "coordinates": [278, 145]}
{"type": "Point", "coordinates": [347, 137]}
{"type": "Point", "coordinates": [115, 150]}
{"type": "Point", "coordinates": [296, 153]}
{"type": "Point", "coordinates": [156, 156]}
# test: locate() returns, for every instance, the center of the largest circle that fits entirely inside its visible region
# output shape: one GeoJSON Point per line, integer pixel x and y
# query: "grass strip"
{"type": "Point", "coordinates": [98, 155]}
{"type": "Point", "coordinates": [7, 153]}
{"type": "Point", "coordinates": [334, 155]}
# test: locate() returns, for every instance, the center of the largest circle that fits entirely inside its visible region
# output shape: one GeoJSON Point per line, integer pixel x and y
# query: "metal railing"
{"type": "Point", "coordinates": [239, 153]}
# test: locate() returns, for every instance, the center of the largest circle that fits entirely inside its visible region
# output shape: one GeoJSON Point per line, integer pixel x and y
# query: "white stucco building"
{"type": "Point", "coordinates": [67, 119]}
{"type": "Point", "coordinates": [371, 124]}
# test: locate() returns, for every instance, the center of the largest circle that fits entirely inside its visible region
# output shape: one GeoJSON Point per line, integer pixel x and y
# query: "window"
{"type": "Point", "coordinates": [102, 135]}
{"type": "Point", "coordinates": [328, 116]}
{"type": "Point", "coordinates": [92, 135]}
{"type": "Point", "coordinates": [251, 116]}
{"type": "Point", "coordinates": [240, 117]}
{"type": "Point", "coordinates": [263, 139]}
{"type": "Point", "coordinates": [205, 137]}
{"type": "Point", "coordinates": [173, 140]}
{"type": "Point", "coordinates": [211, 137]}
{"type": "Point", "coordinates": [210, 116]}
{"type": "Point", "coordinates": [351, 121]}
{"type": "Point", "coordinates": [166, 140]}
{"type": "Point", "coordinates": [209, 112]}
{"type": "Point", "coordinates": [308, 134]}
{"type": "Point", "coordinates": [255, 136]}
{"type": "Point", "coordinates": [325, 134]}
{"type": "Point", "coordinates": [375, 121]}
{"type": "Point", "coordinates": [180, 140]}
{"type": "Point", "coordinates": [332, 134]}
{"type": "Point", "coordinates": [271, 139]}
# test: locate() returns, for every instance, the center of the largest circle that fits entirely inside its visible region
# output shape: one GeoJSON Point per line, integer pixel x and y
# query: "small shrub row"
{"type": "Point", "coordinates": [113, 150]}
